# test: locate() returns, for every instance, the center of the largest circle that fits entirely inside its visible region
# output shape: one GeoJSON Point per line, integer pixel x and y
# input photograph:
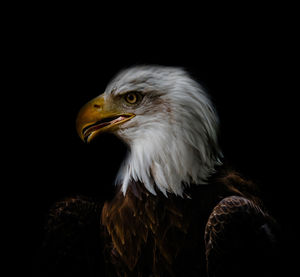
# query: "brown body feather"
{"type": "Point", "coordinates": [205, 233]}
{"type": "Point", "coordinates": [149, 235]}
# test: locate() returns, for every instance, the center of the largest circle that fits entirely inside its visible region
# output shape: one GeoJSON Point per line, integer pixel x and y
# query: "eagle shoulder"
{"type": "Point", "coordinates": [239, 238]}
{"type": "Point", "coordinates": [72, 242]}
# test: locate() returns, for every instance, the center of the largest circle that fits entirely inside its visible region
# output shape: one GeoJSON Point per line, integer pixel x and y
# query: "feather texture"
{"type": "Point", "coordinates": [173, 235]}
{"type": "Point", "coordinates": [215, 229]}
{"type": "Point", "coordinates": [173, 137]}
{"type": "Point", "coordinates": [164, 221]}
{"type": "Point", "coordinates": [238, 234]}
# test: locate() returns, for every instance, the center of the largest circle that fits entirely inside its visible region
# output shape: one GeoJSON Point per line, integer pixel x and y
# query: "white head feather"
{"type": "Point", "coordinates": [173, 137]}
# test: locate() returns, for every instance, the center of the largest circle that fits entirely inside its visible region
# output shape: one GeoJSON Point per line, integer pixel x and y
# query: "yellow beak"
{"type": "Point", "coordinates": [98, 116]}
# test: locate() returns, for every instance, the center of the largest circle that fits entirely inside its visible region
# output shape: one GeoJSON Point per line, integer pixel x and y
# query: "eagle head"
{"type": "Point", "coordinates": [166, 119]}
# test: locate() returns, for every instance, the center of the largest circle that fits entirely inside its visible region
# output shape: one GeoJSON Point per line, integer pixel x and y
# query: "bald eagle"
{"type": "Point", "coordinates": [178, 210]}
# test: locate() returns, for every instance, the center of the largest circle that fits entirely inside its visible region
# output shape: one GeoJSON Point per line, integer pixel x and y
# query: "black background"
{"type": "Point", "coordinates": [65, 57]}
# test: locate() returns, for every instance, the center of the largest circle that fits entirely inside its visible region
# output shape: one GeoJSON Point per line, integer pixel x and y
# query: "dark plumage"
{"type": "Point", "coordinates": [178, 210]}
{"type": "Point", "coordinates": [223, 230]}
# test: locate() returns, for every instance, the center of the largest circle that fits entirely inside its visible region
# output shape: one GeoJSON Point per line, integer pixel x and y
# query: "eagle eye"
{"type": "Point", "coordinates": [131, 97]}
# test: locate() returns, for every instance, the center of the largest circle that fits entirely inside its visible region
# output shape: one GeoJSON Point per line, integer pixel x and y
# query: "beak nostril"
{"type": "Point", "coordinates": [97, 106]}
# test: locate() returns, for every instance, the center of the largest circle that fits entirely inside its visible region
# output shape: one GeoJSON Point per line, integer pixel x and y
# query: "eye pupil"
{"type": "Point", "coordinates": [131, 98]}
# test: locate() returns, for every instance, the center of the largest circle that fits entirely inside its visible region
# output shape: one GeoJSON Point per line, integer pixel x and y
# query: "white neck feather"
{"type": "Point", "coordinates": [173, 148]}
